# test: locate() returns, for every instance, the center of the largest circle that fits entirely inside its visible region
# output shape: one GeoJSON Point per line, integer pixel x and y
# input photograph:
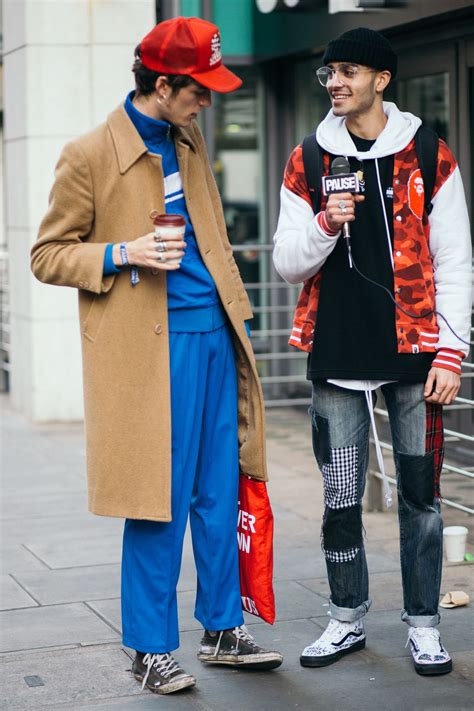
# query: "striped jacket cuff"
{"type": "Point", "coordinates": [322, 222]}
{"type": "Point", "coordinates": [449, 360]}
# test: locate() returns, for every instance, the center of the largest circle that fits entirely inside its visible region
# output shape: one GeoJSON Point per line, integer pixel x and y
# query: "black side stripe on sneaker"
{"type": "Point", "coordinates": [349, 634]}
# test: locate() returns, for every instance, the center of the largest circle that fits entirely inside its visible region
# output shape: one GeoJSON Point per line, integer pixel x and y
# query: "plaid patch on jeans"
{"type": "Point", "coordinates": [341, 556]}
{"type": "Point", "coordinates": [340, 478]}
{"type": "Point", "coordinates": [435, 440]}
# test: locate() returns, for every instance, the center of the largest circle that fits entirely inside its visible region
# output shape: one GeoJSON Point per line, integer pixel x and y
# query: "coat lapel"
{"type": "Point", "coordinates": [129, 147]}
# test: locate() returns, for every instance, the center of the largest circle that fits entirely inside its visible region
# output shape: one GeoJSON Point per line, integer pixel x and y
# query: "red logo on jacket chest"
{"type": "Point", "coordinates": [416, 193]}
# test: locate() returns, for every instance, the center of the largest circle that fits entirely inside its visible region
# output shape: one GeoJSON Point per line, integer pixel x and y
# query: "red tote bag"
{"type": "Point", "coordinates": [255, 539]}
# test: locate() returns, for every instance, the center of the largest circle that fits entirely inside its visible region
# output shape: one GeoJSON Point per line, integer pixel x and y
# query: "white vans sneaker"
{"type": "Point", "coordinates": [338, 639]}
{"type": "Point", "coordinates": [429, 655]}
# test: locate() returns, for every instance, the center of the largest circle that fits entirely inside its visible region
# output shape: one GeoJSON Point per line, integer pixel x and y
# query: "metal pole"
{"type": "Point", "coordinates": [169, 9]}
{"type": "Point", "coordinates": [208, 116]}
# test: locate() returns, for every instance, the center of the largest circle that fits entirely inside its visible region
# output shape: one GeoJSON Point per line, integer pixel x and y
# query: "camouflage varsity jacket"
{"type": "Point", "coordinates": [431, 254]}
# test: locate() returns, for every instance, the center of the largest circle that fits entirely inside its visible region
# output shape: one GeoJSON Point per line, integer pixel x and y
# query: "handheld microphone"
{"type": "Point", "coordinates": [342, 180]}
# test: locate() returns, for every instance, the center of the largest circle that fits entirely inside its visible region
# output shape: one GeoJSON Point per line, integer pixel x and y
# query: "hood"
{"type": "Point", "coordinates": [333, 136]}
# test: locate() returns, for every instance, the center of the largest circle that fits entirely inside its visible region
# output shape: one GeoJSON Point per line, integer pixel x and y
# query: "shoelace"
{"type": "Point", "coordinates": [243, 633]}
{"type": "Point", "coordinates": [333, 628]}
{"type": "Point", "coordinates": [426, 637]}
{"type": "Point", "coordinates": [240, 633]}
{"type": "Point", "coordinates": [163, 663]}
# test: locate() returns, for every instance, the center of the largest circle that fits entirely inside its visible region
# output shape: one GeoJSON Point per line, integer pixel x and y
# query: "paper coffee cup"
{"type": "Point", "coordinates": [169, 227]}
{"type": "Point", "coordinates": [454, 538]}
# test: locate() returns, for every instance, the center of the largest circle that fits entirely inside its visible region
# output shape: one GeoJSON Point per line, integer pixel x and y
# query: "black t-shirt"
{"type": "Point", "coordinates": [355, 335]}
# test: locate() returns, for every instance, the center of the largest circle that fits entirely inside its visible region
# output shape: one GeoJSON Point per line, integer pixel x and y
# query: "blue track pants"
{"type": "Point", "coordinates": [205, 486]}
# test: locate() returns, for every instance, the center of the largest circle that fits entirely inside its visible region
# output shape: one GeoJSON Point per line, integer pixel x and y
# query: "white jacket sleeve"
{"type": "Point", "coordinates": [450, 247]}
{"type": "Point", "coordinates": [301, 246]}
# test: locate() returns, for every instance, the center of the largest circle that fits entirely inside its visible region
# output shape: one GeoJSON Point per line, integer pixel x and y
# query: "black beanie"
{"type": "Point", "coordinates": [362, 46]}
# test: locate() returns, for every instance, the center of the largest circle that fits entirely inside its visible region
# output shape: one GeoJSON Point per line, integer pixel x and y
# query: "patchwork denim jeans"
{"type": "Point", "coordinates": [340, 424]}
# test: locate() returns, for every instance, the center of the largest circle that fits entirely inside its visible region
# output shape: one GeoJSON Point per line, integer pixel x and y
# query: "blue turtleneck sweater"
{"type": "Point", "coordinates": [193, 301]}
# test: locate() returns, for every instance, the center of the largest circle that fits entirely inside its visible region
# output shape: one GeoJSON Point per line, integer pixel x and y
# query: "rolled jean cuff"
{"type": "Point", "coordinates": [420, 620]}
{"type": "Point", "coordinates": [349, 614]}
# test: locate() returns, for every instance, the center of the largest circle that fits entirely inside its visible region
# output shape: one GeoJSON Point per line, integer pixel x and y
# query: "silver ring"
{"type": "Point", "coordinates": [161, 246]}
{"type": "Point", "coordinates": [161, 257]}
{"type": "Point", "coordinates": [437, 392]}
{"type": "Point", "coordinates": [342, 204]}
{"type": "Point", "coordinates": [343, 211]}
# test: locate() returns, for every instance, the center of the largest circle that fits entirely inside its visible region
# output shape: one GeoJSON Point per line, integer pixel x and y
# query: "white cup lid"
{"type": "Point", "coordinates": [454, 530]}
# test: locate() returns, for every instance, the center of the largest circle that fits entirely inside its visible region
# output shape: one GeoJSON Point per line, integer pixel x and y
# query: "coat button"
{"type": "Point", "coordinates": [398, 218]}
{"type": "Point", "coordinates": [398, 254]}
{"type": "Point", "coordinates": [158, 329]}
{"type": "Point", "coordinates": [399, 289]}
{"type": "Point", "coordinates": [401, 341]}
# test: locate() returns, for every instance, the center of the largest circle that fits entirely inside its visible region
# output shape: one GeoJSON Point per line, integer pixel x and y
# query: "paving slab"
{"type": "Point", "coordinates": [109, 611]}
{"type": "Point", "coordinates": [67, 526]}
{"type": "Point", "coordinates": [16, 558]}
{"type": "Point", "coordinates": [51, 626]}
{"type": "Point", "coordinates": [18, 505]}
{"type": "Point", "coordinates": [68, 676]}
{"type": "Point", "coordinates": [45, 480]}
{"type": "Point", "coordinates": [12, 595]}
{"type": "Point", "coordinates": [54, 587]}
{"type": "Point", "coordinates": [78, 551]}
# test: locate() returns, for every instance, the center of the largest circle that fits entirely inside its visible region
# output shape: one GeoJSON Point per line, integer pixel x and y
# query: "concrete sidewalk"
{"type": "Point", "coordinates": [60, 583]}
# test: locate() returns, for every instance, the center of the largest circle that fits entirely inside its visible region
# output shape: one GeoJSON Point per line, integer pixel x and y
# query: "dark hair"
{"type": "Point", "coordinates": [145, 79]}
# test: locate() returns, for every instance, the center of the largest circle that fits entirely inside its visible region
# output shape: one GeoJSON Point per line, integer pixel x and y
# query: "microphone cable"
{"type": "Point", "coordinates": [400, 308]}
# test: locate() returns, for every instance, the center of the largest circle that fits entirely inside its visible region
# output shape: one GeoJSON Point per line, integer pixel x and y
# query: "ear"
{"type": "Point", "coordinates": [382, 80]}
{"type": "Point", "coordinates": [161, 85]}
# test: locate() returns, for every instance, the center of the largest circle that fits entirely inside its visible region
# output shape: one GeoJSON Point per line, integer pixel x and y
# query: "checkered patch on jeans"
{"type": "Point", "coordinates": [341, 556]}
{"type": "Point", "coordinates": [340, 478]}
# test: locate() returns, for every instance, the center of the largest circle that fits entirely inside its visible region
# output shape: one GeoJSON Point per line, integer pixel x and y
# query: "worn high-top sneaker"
{"type": "Point", "coordinates": [160, 673]}
{"type": "Point", "coordinates": [338, 639]}
{"type": "Point", "coordinates": [236, 647]}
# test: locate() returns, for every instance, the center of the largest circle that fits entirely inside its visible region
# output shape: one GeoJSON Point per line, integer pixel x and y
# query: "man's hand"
{"type": "Point", "coordinates": [441, 386]}
{"type": "Point", "coordinates": [142, 252]}
{"type": "Point", "coordinates": [335, 214]}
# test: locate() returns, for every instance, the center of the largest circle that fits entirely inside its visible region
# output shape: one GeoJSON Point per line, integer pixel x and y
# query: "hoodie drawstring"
{"type": "Point", "coordinates": [386, 486]}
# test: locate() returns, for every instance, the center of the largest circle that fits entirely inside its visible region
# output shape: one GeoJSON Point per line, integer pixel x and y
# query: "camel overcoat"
{"type": "Point", "coordinates": [106, 186]}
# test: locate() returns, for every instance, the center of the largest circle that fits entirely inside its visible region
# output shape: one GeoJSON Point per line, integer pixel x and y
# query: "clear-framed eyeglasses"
{"type": "Point", "coordinates": [346, 72]}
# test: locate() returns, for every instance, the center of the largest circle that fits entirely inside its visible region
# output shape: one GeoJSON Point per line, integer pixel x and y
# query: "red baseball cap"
{"type": "Point", "coordinates": [191, 46]}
